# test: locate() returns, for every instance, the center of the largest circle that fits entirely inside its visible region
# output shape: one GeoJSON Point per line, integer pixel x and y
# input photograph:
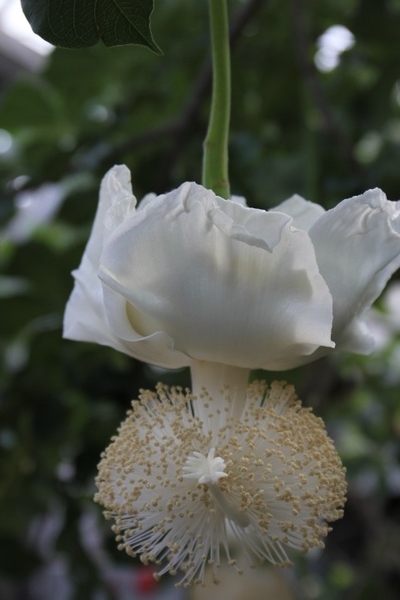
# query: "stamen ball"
{"type": "Point", "coordinates": [278, 481]}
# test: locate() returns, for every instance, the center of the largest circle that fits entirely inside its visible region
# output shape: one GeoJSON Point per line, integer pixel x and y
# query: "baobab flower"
{"type": "Point", "coordinates": [190, 279]}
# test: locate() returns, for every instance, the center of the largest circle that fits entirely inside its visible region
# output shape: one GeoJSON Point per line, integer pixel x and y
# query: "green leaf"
{"type": "Point", "coordinates": [82, 23]}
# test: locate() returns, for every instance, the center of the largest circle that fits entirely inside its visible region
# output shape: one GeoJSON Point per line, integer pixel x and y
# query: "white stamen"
{"type": "Point", "coordinates": [284, 481]}
{"type": "Point", "coordinates": [205, 469]}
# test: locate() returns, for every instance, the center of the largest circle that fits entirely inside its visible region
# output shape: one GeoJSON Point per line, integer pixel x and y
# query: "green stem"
{"type": "Point", "coordinates": [215, 157]}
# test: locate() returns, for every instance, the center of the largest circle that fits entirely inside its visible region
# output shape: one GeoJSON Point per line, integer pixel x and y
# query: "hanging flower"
{"type": "Point", "coordinates": [188, 276]}
{"type": "Point", "coordinates": [184, 474]}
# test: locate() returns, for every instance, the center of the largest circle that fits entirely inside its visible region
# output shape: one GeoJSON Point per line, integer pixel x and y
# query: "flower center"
{"type": "Point", "coordinates": [205, 469]}
{"type": "Point", "coordinates": [208, 470]}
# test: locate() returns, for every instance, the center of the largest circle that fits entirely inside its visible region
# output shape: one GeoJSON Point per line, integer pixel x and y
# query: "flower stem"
{"type": "Point", "coordinates": [215, 157]}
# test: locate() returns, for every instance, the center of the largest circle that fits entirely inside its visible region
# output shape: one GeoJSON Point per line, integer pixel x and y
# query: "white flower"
{"type": "Point", "coordinates": [184, 473]}
{"type": "Point", "coordinates": [188, 276]}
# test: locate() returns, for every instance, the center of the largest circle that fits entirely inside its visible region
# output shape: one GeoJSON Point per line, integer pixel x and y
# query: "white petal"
{"type": "Point", "coordinates": [303, 212]}
{"type": "Point", "coordinates": [228, 284]}
{"type": "Point", "coordinates": [239, 200]}
{"type": "Point", "coordinates": [251, 226]}
{"type": "Point", "coordinates": [85, 318]}
{"type": "Point", "coordinates": [146, 200]}
{"type": "Point", "coordinates": [129, 328]}
{"type": "Point", "coordinates": [116, 188]}
{"type": "Point", "coordinates": [358, 248]}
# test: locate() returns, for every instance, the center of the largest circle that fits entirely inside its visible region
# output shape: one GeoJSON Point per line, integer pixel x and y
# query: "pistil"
{"type": "Point", "coordinates": [208, 471]}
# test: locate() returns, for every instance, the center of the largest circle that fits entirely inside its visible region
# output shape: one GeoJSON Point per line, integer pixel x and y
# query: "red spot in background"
{"type": "Point", "coordinates": [144, 580]}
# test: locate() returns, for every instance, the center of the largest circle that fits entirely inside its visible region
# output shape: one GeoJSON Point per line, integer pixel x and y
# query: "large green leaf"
{"type": "Point", "coordinates": [82, 23]}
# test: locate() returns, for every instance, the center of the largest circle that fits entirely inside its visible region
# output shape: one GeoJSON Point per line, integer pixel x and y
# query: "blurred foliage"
{"type": "Point", "coordinates": [325, 135]}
